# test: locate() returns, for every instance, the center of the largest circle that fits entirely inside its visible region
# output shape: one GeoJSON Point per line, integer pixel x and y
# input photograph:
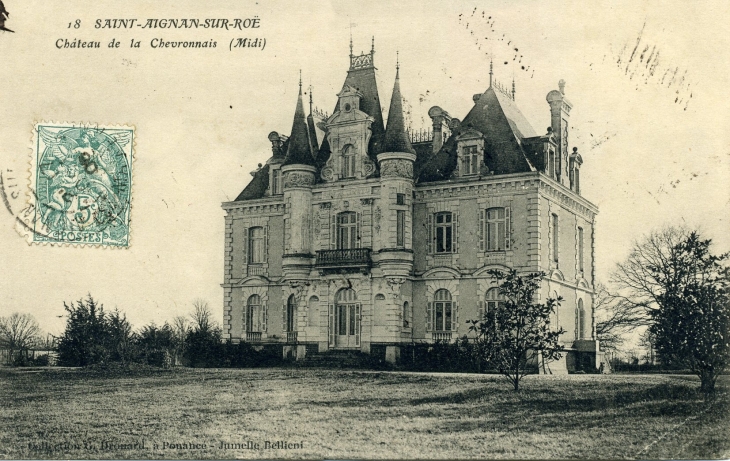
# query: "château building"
{"type": "Point", "coordinates": [359, 235]}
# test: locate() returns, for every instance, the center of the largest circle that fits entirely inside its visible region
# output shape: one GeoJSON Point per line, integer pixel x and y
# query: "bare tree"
{"type": "Point", "coordinates": [640, 287]}
{"type": "Point", "coordinates": [201, 316]}
{"type": "Point", "coordinates": [180, 329]}
{"type": "Point", "coordinates": [18, 332]}
{"type": "Point", "coordinates": [614, 318]}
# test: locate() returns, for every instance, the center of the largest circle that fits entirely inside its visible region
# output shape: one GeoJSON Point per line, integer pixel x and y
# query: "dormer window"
{"type": "Point", "coordinates": [470, 152]}
{"type": "Point", "coordinates": [276, 183]}
{"type": "Point", "coordinates": [471, 160]}
{"type": "Point", "coordinates": [348, 162]}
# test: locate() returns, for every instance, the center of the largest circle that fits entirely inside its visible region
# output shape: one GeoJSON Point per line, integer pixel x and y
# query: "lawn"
{"type": "Point", "coordinates": [310, 413]}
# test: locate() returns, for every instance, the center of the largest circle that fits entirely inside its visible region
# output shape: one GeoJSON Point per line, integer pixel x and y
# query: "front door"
{"type": "Point", "coordinates": [347, 326]}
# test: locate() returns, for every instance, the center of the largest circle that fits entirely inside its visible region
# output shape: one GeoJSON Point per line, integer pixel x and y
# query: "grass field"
{"type": "Point", "coordinates": [57, 413]}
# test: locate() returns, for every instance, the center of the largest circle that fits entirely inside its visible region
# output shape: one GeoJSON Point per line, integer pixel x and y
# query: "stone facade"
{"type": "Point", "coordinates": [377, 242]}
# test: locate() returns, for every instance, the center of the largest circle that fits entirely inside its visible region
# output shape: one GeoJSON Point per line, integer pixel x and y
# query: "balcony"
{"type": "Point", "coordinates": [291, 336]}
{"type": "Point", "coordinates": [344, 260]}
{"type": "Point", "coordinates": [443, 336]}
{"type": "Point", "coordinates": [253, 336]}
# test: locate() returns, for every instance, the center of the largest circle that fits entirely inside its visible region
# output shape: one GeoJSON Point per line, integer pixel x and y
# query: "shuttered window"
{"type": "Point", "coordinates": [443, 310]}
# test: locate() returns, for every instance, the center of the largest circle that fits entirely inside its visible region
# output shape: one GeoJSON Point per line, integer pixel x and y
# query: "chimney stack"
{"type": "Point", "coordinates": [441, 120]}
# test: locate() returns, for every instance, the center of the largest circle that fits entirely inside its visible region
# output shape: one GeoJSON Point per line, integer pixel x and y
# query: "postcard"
{"type": "Point", "coordinates": [364, 230]}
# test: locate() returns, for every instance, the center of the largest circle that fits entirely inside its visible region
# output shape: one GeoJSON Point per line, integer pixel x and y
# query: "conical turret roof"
{"type": "Point", "coordinates": [396, 138]}
{"type": "Point", "coordinates": [299, 151]}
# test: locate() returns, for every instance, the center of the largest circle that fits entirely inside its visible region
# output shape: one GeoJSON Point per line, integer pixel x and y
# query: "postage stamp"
{"type": "Point", "coordinates": [80, 185]}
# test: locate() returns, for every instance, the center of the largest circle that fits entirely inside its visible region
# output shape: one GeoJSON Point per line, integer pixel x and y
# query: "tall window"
{"type": "Point", "coordinates": [580, 249]}
{"type": "Point", "coordinates": [555, 237]}
{"type": "Point", "coordinates": [400, 199]}
{"type": "Point", "coordinates": [580, 321]}
{"type": "Point", "coordinates": [493, 299]}
{"type": "Point", "coordinates": [495, 229]}
{"type": "Point", "coordinates": [348, 162]}
{"type": "Point", "coordinates": [444, 232]}
{"type": "Point", "coordinates": [471, 160]}
{"type": "Point", "coordinates": [291, 314]}
{"type": "Point", "coordinates": [254, 319]}
{"type": "Point", "coordinates": [347, 230]}
{"type": "Point", "coordinates": [256, 242]}
{"type": "Point", "coordinates": [400, 228]}
{"type": "Point", "coordinates": [346, 312]}
{"type": "Point", "coordinates": [443, 309]}
{"type": "Point", "coordinates": [276, 182]}
{"type": "Point", "coordinates": [406, 315]}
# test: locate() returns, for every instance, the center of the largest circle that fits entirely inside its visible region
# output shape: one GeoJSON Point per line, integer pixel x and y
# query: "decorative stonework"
{"type": "Point", "coordinates": [376, 217]}
{"type": "Point", "coordinates": [298, 179]}
{"type": "Point", "coordinates": [368, 167]}
{"type": "Point", "coordinates": [367, 201]}
{"type": "Point", "coordinates": [328, 172]}
{"type": "Point", "coordinates": [396, 168]}
{"type": "Point", "coordinates": [394, 284]}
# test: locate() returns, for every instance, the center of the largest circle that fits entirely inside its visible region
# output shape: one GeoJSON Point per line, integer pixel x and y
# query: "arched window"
{"type": "Point", "coordinates": [580, 321]}
{"type": "Point", "coordinates": [313, 311]}
{"type": "Point", "coordinates": [347, 230]}
{"type": "Point", "coordinates": [256, 242]}
{"type": "Point", "coordinates": [493, 299]}
{"type": "Point", "coordinates": [254, 320]}
{"type": "Point", "coordinates": [348, 161]}
{"type": "Point", "coordinates": [291, 314]}
{"type": "Point", "coordinates": [443, 310]}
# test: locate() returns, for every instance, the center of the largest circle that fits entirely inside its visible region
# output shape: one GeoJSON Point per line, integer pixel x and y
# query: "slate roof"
{"type": "Point", "coordinates": [494, 114]}
{"type": "Point", "coordinates": [497, 117]}
{"type": "Point", "coordinates": [396, 138]}
{"type": "Point", "coordinates": [299, 151]}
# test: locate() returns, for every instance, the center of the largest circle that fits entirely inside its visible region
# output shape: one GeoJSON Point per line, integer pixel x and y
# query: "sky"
{"type": "Point", "coordinates": [647, 81]}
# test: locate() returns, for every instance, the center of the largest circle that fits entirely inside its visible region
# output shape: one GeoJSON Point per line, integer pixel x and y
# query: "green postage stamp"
{"type": "Point", "coordinates": [80, 185]}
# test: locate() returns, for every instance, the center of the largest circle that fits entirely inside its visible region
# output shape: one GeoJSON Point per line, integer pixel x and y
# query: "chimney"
{"type": "Point", "coordinates": [441, 120]}
{"type": "Point", "coordinates": [560, 123]}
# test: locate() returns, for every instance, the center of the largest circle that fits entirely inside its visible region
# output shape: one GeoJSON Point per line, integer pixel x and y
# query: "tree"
{"type": "Point", "coordinates": [639, 286]}
{"type": "Point", "coordinates": [180, 328]}
{"type": "Point", "coordinates": [692, 325]}
{"type": "Point", "coordinates": [85, 340]}
{"type": "Point", "coordinates": [119, 340]}
{"type": "Point", "coordinates": [682, 291]}
{"type": "Point", "coordinates": [614, 317]}
{"type": "Point", "coordinates": [517, 332]}
{"type": "Point", "coordinates": [156, 344]}
{"type": "Point", "coordinates": [203, 343]}
{"type": "Point", "coordinates": [18, 333]}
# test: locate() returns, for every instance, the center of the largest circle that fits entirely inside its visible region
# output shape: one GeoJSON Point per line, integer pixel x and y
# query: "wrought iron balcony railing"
{"type": "Point", "coordinates": [349, 258]}
{"type": "Point", "coordinates": [291, 336]}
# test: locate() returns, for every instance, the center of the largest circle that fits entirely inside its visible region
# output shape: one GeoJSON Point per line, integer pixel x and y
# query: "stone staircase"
{"type": "Point", "coordinates": [339, 359]}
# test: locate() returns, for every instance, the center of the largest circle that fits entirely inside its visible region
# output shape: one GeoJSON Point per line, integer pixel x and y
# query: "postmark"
{"type": "Point", "coordinates": [80, 185]}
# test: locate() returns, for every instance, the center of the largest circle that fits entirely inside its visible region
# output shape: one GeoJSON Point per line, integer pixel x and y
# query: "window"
{"type": "Point", "coordinates": [443, 308]}
{"type": "Point", "coordinates": [555, 237]}
{"type": "Point", "coordinates": [580, 249]}
{"type": "Point", "coordinates": [348, 162]}
{"type": "Point", "coordinates": [495, 229]}
{"type": "Point", "coordinates": [551, 164]}
{"type": "Point", "coordinates": [256, 243]}
{"type": "Point", "coordinates": [291, 314]}
{"type": "Point", "coordinates": [444, 232]}
{"type": "Point", "coordinates": [400, 228]}
{"type": "Point", "coordinates": [406, 315]}
{"type": "Point", "coordinates": [254, 314]}
{"type": "Point", "coordinates": [400, 199]}
{"type": "Point", "coordinates": [347, 230]}
{"type": "Point", "coordinates": [493, 300]}
{"type": "Point", "coordinates": [580, 321]}
{"type": "Point", "coordinates": [276, 188]}
{"type": "Point", "coordinates": [471, 160]}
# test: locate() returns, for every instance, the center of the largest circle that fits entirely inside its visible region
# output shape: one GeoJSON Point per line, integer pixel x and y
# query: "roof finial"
{"type": "Point", "coordinates": [372, 47]}
{"type": "Point", "coordinates": [351, 40]}
{"type": "Point", "coordinates": [310, 99]}
{"type": "Point", "coordinates": [491, 70]}
{"type": "Point", "coordinates": [300, 81]}
{"type": "Point", "coordinates": [513, 87]}
{"type": "Point", "coordinates": [397, 63]}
